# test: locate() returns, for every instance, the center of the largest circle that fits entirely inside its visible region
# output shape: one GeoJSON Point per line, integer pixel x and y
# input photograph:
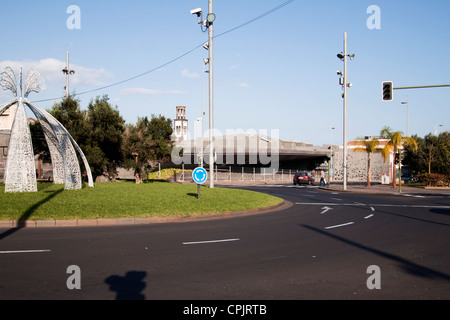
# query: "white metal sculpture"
{"type": "Point", "coordinates": [20, 173]}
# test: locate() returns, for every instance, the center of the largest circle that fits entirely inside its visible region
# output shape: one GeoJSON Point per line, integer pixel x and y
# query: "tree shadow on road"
{"type": "Point", "coordinates": [445, 212]}
{"type": "Point", "coordinates": [129, 287]}
{"type": "Point", "coordinates": [21, 222]}
{"type": "Point", "coordinates": [409, 266]}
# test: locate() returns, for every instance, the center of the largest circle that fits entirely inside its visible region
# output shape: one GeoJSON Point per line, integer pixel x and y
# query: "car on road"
{"type": "Point", "coordinates": [303, 177]}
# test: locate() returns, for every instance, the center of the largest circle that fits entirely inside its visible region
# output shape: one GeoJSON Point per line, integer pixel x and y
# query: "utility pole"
{"type": "Point", "coordinates": [345, 111]}
{"type": "Point", "coordinates": [343, 81]}
{"type": "Point", "coordinates": [210, 19]}
{"type": "Point", "coordinates": [208, 23]}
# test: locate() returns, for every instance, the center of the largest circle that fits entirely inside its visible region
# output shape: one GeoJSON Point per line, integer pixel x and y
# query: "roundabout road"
{"type": "Point", "coordinates": [323, 246]}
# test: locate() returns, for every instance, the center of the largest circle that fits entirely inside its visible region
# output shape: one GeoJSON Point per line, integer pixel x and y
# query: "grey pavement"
{"type": "Point", "coordinates": [361, 187]}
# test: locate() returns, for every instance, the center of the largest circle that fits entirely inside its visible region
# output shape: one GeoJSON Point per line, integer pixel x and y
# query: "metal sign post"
{"type": "Point", "coordinates": [199, 175]}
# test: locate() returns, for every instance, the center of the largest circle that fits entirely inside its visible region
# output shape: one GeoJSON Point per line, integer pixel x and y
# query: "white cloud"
{"type": "Point", "coordinates": [191, 75]}
{"type": "Point", "coordinates": [243, 85]}
{"type": "Point", "coordinates": [51, 71]}
{"type": "Point", "coordinates": [150, 92]}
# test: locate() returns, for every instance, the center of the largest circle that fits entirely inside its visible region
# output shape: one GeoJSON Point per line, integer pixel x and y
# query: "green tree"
{"type": "Point", "coordinates": [443, 156]}
{"type": "Point", "coordinates": [369, 146]}
{"type": "Point", "coordinates": [40, 147]}
{"type": "Point", "coordinates": [146, 141]}
{"type": "Point", "coordinates": [69, 113]}
{"type": "Point", "coordinates": [432, 155]}
{"type": "Point", "coordinates": [413, 159]}
{"type": "Point", "coordinates": [429, 151]}
{"type": "Point", "coordinates": [396, 140]}
{"type": "Point", "coordinates": [160, 131]}
{"type": "Point", "coordinates": [106, 129]}
{"type": "Point", "coordinates": [136, 150]}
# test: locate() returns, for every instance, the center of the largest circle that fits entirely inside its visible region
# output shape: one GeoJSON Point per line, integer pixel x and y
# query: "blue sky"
{"type": "Point", "coordinates": [276, 73]}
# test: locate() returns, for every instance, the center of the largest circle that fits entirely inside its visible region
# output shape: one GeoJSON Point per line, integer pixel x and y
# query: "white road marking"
{"type": "Point", "coordinates": [336, 199]}
{"type": "Point", "coordinates": [340, 225]}
{"type": "Point", "coordinates": [373, 205]}
{"type": "Point", "coordinates": [410, 206]}
{"type": "Point", "coordinates": [24, 251]}
{"type": "Point", "coordinates": [372, 208]}
{"type": "Point", "coordinates": [411, 195]}
{"type": "Point", "coordinates": [326, 209]}
{"type": "Point", "coordinates": [211, 241]}
{"type": "Point", "coordinates": [369, 216]}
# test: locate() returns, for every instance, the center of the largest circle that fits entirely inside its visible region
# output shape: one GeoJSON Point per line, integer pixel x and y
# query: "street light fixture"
{"type": "Point", "coordinates": [67, 72]}
{"type": "Point", "coordinates": [343, 82]}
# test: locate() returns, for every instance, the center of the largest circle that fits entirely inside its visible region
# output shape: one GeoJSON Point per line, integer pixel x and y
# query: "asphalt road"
{"type": "Point", "coordinates": [323, 245]}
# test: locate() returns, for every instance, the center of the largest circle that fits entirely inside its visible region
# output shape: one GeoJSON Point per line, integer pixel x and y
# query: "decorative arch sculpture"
{"type": "Point", "coordinates": [20, 173]}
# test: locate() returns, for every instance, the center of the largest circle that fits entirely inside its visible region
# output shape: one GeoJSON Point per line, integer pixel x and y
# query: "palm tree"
{"type": "Point", "coordinates": [396, 140]}
{"type": "Point", "coordinates": [369, 146]}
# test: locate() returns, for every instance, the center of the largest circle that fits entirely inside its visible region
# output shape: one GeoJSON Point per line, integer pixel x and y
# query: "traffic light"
{"type": "Point", "coordinates": [397, 158]}
{"type": "Point", "coordinates": [387, 91]}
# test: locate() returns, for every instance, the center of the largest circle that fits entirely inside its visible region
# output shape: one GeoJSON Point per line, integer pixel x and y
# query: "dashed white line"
{"type": "Point", "coordinates": [210, 241]}
{"type": "Point", "coordinates": [369, 216]}
{"type": "Point", "coordinates": [24, 251]}
{"type": "Point", "coordinates": [339, 225]}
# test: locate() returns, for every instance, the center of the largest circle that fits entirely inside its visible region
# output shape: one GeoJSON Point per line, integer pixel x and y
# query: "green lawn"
{"type": "Point", "coordinates": [126, 200]}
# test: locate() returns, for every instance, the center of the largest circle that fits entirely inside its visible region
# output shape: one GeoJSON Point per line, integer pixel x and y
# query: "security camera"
{"type": "Point", "coordinates": [197, 11]}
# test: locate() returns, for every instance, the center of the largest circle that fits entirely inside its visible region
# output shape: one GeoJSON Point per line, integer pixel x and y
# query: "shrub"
{"type": "Point", "coordinates": [435, 179]}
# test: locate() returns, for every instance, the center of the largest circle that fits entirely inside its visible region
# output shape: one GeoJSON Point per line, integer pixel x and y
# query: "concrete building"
{"type": "Point", "coordinates": [357, 163]}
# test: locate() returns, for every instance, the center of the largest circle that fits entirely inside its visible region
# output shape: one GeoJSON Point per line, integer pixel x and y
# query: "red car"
{"type": "Point", "coordinates": [303, 177]}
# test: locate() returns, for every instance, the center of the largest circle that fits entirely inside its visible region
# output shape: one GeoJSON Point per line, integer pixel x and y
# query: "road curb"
{"type": "Point", "coordinates": [137, 221]}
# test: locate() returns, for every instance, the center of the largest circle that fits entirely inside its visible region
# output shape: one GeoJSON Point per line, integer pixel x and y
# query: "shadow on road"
{"type": "Point", "coordinates": [445, 212]}
{"type": "Point", "coordinates": [129, 287]}
{"type": "Point", "coordinates": [409, 266]}
{"type": "Point", "coordinates": [28, 213]}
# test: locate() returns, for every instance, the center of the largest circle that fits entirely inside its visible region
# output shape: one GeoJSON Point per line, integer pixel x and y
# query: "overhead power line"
{"type": "Point", "coordinates": [282, 5]}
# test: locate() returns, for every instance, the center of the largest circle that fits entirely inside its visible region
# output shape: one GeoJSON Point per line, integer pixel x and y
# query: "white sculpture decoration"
{"type": "Point", "coordinates": [20, 173]}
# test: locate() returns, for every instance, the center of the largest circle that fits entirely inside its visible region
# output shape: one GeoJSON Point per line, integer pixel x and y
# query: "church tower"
{"type": "Point", "coordinates": [180, 124]}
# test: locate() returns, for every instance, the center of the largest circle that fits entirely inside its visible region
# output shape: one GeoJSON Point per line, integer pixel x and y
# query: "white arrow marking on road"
{"type": "Point", "coordinates": [326, 209]}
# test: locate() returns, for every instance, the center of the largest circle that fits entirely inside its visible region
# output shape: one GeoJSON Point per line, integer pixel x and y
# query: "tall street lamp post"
{"type": "Point", "coordinates": [208, 23]}
{"type": "Point", "coordinates": [343, 81]}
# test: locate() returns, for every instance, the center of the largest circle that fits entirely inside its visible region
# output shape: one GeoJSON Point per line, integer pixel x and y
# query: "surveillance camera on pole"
{"type": "Point", "coordinates": [197, 11]}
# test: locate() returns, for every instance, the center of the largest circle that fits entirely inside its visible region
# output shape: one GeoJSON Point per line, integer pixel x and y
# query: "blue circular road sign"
{"type": "Point", "coordinates": [199, 175]}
